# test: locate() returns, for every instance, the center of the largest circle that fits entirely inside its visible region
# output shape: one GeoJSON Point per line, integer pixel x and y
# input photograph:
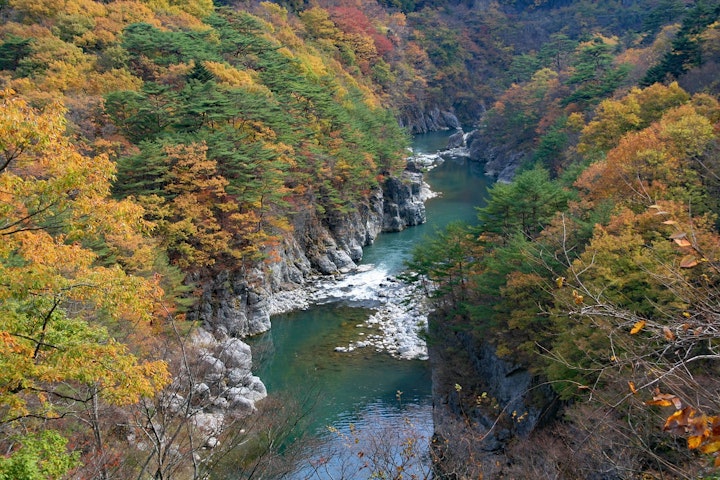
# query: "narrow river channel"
{"type": "Point", "coordinates": [364, 401]}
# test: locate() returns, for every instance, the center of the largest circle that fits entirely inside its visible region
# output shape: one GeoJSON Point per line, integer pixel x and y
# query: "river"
{"type": "Point", "coordinates": [368, 407]}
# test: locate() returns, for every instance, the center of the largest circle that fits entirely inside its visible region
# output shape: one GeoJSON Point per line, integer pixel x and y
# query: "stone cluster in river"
{"type": "Point", "coordinates": [239, 304]}
{"type": "Point", "coordinates": [400, 321]}
{"type": "Point", "coordinates": [398, 324]}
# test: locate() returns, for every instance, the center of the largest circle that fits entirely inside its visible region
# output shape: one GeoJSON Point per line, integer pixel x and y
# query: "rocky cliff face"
{"type": "Point", "coordinates": [481, 402]}
{"type": "Point", "coordinates": [498, 161]}
{"type": "Point", "coordinates": [417, 119]}
{"type": "Point", "coordinates": [237, 304]}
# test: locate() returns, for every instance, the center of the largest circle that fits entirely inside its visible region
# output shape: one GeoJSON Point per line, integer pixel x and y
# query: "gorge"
{"type": "Point", "coordinates": [177, 176]}
{"type": "Point", "coordinates": [367, 388]}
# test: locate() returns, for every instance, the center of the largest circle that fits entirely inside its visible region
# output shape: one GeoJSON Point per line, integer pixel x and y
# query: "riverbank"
{"type": "Point", "coordinates": [400, 321]}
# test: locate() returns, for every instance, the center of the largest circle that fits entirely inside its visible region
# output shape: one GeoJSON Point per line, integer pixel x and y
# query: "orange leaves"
{"type": "Point", "coordinates": [577, 298]}
{"type": "Point", "coordinates": [688, 261]}
{"type": "Point", "coordinates": [668, 334]}
{"type": "Point", "coordinates": [682, 242]}
{"type": "Point", "coordinates": [701, 431]}
{"type": "Point", "coordinates": [665, 400]}
{"type": "Point", "coordinates": [649, 147]}
{"type": "Point", "coordinates": [637, 327]}
{"type": "Point", "coordinates": [642, 324]}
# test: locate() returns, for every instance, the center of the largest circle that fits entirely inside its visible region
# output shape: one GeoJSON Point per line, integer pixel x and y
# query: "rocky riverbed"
{"type": "Point", "coordinates": [400, 319]}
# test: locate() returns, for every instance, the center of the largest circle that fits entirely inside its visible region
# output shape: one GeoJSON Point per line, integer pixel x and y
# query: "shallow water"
{"type": "Point", "coordinates": [365, 402]}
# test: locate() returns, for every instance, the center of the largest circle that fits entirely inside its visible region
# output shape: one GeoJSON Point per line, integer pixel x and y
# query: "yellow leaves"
{"type": "Point", "coordinates": [231, 76]}
{"type": "Point", "coordinates": [24, 130]}
{"type": "Point", "coordinates": [631, 385]}
{"type": "Point", "coordinates": [560, 281]}
{"type": "Point", "coordinates": [639, 325]}
{"type": "Point", "coordinates": [577, 298]}
{"type": "Point", "coordinates": [694, 442]}
{"type": "Point", "coordinates": [195, 8]}
{"type": "Point", "coordinates": [53, 201]}
{"type": "Point", "coordinates": [313, 64]}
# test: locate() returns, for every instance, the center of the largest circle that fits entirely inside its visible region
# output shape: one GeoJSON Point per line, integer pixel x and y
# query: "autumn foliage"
{"type": "Point", "coordinates": [147, 144]}
{"type": "Point", "coordinates": [600, 276]}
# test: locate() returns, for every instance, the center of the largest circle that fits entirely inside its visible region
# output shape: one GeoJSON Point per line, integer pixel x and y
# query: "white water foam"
{"type": "Point", "coordinates": [400, 312]}
{"type": "Point", "coordinates": [400, 318]}
{"type": "Point", "coordinates": [360, 286]}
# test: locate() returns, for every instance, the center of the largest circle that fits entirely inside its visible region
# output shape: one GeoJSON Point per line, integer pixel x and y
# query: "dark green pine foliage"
{"type": "Point", "coordinates": [203, 104]}
{"type": "Point", "coordinates": [445, 260]}
{"type": "Point", "coordinates": [145, 173]}
{"type": "Point", "coordinates": [142, 40]}
{"type": "Point", "coordinates": [143, 115]}
{"type": "Point", "coordinates": [594, 77]}
{"type": "Point", "coordinates": [12, 50]}
{"type": "Point", "coordinates": [557, 52]}
{"type": "Point", "coordinates": [686, 48]}
{"type": "Point", "coordinates": [524, 206]}
{"type": "Point", "coordinates": [551, 148]}
{"type": "Point", "coordinates": [664, 13]}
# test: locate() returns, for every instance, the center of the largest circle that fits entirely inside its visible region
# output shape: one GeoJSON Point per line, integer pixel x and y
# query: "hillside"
{"type": "Point", "coordinates": [576, 324]}
{"type": "Point", "coordinates": [167, 167]}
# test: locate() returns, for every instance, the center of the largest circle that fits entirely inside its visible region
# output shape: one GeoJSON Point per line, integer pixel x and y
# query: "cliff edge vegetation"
{"type": "Point", "coordinates": [576, 325]}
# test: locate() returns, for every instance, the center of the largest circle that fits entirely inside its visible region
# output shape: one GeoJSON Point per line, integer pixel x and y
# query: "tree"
{"type": "Point", "coordinates": [593, 73]}
{"type": "Point", "coordinates": [12, 51]}
{"type": "Point", "coordinates": [444, 266]}
{"type": "Point", "coordinates": [40, 457]}
{"type": "Point", "coordinates": [686, 47]}
{"type": "Point", "coordinates": [523, 206]}
{"type": "Point", "coordinates": [635, 111]}
{"type": "Point", "coordinates": [190, 222]}
{"type": "Point", "coordinates": [58, 306]}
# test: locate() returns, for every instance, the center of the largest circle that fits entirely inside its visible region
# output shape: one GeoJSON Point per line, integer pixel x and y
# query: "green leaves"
{"type": "Point", "coordinates": [40, 456]}
{"type": "Point", "coordinates": [526, 205]}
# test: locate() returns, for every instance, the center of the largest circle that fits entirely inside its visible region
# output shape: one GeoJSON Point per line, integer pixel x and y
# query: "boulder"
{"type": "Point", "coordinates": [456, 140]}
{"type": "Point", "coordinates": [404, 204]}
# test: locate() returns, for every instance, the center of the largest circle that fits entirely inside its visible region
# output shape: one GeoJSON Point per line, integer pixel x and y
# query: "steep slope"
{"type": "Point", "coordinates": [587, 289]}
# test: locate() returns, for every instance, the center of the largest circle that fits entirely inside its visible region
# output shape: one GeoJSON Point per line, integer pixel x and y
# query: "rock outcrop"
{"type": "Point", "coordinates": [498, 161]}
{"type": "Point", "coordinates": [234, 305]}
{"type": "Point", "coordinates": [419, 120]}
{"type": "Point", "coordinates": [482, 402]}
{"type": "Point", "coordinates": [403, 204]}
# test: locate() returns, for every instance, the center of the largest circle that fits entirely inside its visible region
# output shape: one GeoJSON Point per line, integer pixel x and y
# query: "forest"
{"type": "Point", "coordinates": [149, 147]}
{"type": "Point", "coordinates": [596, 268]}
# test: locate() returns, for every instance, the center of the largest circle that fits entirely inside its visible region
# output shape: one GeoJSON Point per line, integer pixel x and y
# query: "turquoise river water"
{"type": "Point", "coordinates": [364, 402]}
